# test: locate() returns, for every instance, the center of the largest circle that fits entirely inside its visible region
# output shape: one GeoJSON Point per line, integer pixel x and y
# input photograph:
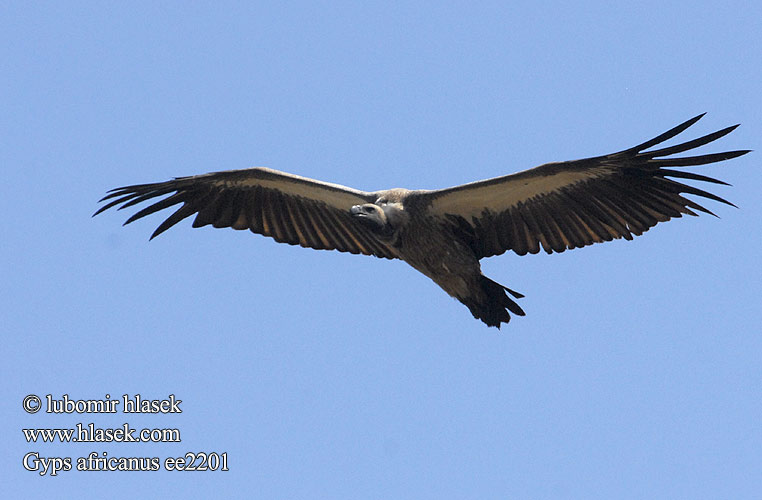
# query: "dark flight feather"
{"type": "Point", "coordinates": [628, 192]}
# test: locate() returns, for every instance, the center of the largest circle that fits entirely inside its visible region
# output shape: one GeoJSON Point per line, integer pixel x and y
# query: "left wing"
{"type": "Point", "coordinates": [572, 204]}
{"type": "Point", "coordinates": [286, 207]}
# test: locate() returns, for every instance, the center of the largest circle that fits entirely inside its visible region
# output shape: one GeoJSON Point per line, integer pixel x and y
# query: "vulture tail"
{"type": "Point", "coordinates": [493, 304]}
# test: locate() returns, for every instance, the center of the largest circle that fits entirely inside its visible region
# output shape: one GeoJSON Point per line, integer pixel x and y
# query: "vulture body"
{"type": "Point", "coordinates": [444, 233]}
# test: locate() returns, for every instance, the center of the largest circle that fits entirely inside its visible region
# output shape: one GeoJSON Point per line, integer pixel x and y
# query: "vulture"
{"type": "Point", "coordinates": [444, 233]}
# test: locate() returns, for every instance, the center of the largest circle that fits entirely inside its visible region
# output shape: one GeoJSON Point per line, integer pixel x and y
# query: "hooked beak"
{"type": "Point", "coordinates": [359, 211]}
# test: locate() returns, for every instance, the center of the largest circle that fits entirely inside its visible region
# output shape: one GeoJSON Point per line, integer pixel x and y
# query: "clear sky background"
{"type": "Point", "coordinates": [636, 373]}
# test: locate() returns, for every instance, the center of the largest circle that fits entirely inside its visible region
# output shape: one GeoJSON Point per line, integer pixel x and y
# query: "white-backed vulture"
{"type": "Point", "coordinates": [444, 233]}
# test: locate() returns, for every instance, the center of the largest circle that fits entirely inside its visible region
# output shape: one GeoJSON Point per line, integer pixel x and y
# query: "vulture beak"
{"type": "Point", "coordinates": [359, 211]}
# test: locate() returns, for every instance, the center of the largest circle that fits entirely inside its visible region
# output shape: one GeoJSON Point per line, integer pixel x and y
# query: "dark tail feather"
{"type": "Point", "coordinates": [493, 305]}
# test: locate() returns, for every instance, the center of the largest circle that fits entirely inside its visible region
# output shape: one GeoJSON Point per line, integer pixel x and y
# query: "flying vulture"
{"type": "Point", "coordinates": [444, 233]}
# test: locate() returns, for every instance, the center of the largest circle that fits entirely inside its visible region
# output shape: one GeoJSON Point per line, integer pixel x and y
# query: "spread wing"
{"type": "Point", "coordinates": [288, 208]}
{"type": "Point", "coordinates": [577, 203]}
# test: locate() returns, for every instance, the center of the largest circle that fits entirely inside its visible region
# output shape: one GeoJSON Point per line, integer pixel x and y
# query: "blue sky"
{"type": "Point", "coordinates": [635, 374]}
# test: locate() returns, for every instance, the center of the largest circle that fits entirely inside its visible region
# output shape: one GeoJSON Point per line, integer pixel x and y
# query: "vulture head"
{"type": "Point", "coordinates": [371, 215]}
{"type": "Point", "coordinates": [384, 217]}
